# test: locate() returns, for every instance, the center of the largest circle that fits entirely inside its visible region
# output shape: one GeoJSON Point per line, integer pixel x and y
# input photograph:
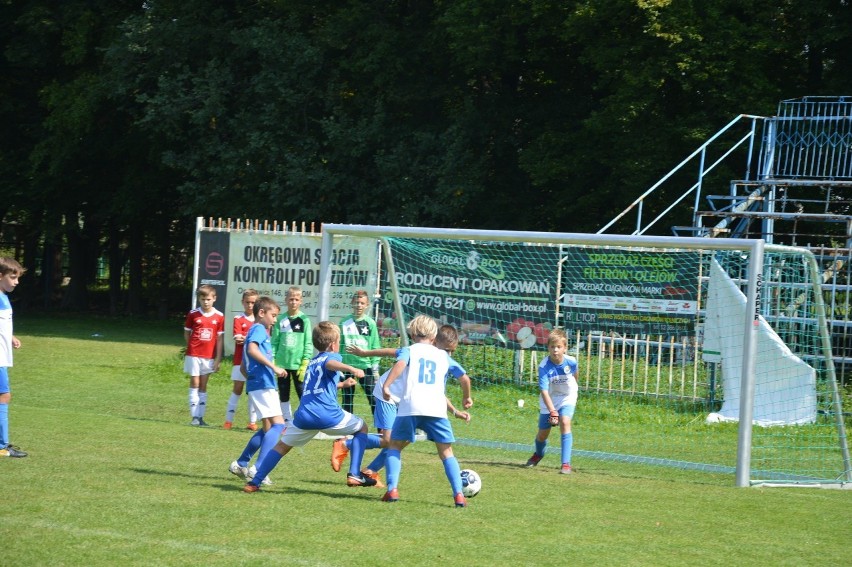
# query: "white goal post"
{"type": "Point", "coordinates": [754, 249]}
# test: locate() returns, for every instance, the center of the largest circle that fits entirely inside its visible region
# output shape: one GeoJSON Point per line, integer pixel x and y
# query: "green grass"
{"type": "Point", "coordinates": [115, 476]}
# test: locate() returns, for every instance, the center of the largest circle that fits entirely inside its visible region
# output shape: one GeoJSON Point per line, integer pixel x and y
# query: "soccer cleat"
{"type": "Point", "coordinates": [375, 476]}
{"type": "Point", "coordinates": [202, 423]}
{"type": "Point", "coordinates": [533, 461]}
{"type": "Point", "coordinates": [249, 488]}
{"type": "Point", "coordinates": [195, 422]}
{"type": "Point", "coordinates": [251, 427]}
{"type": "Point", "coordinates": [566, 469]}
{"type": "Point", "coordinates": [461, 502]}
{"type": "Point", "coordinates": [227, 425]}
{"type": "Point", "coordinates": [239, 471]}
{"type": "Point", "coordinates": [391, 495]}
{"type": "Point", "coordinates": [338, 454]}
{"type": "Point", "coordinates": [252, 472]}
{"type": "Point", "coordinates": [359, 480]}
{"type": "Point", "coordinates": [13, 451]}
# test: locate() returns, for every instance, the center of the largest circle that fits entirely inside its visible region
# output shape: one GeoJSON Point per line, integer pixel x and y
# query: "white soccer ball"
{"type": "Point", "coordinates": [471, 483]}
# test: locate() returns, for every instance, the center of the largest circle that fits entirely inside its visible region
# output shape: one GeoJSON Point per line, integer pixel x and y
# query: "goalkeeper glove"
{"type": "Point", "coordinates": [303, 368]}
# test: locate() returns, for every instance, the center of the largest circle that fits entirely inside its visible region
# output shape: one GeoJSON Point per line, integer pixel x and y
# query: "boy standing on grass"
{"type": "Point", "coordinates": [319, 411]}
{"type": "Point", "coordinates": [242, 323]}
{"type": "Point", "coordinates": [203, 329]}
{"type": "Point", "coordinates": [558, 384]}
{"type": "Point", "coordinates": [359, 329]}
{"type": "Point", "coordinates": [10, 271]}
{"type": "Point", "coordinates": [261, 372]}
{"type": "Point", "coordinates": [422, 405]}
{"type": "Point", "coordinates": [292, 349]}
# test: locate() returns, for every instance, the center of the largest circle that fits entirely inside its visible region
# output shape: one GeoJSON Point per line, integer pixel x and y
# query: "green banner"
{"type": "Point", "coordinates": [493, 293]}
{"type": "Point", "coordinates": [631, 291]}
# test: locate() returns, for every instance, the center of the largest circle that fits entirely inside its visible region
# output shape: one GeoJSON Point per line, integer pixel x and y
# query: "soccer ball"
{"type": "Point", "coordinates": [471, 483]}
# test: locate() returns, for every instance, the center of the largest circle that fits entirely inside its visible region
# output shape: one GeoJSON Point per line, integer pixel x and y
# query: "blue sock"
{"type": "Point", "coordinates": [540, 446]}
{"type": "Point", "coordinates": [453, 472]}
{"type": "Point", "coordinates": [251, 448]}
{"type": "Point", "coordinates": [348, 444]}
{"type": "Point", "coordinates": [4, 425]}
{"type": "Point", "coordinates": [374, 441]}
{"type": "Point", "coordinates": [567, 444]}
{"type": "Point", "coordinates": [394, 466]}
{"type": "Point", "coordinates": [269, 441]}
{"type": "Point", "coordinates": [379, 462]}
{"type": "Point", "coordinates": [359, 443]}
{"type": "Point", "coordinates": [265, 466]}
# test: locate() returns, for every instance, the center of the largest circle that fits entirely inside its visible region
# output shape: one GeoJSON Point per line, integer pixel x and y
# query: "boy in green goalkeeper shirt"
{"type": "Point", "coordinates": [359, 330]}
{"type": "Point", "coordinates": [291, 349]}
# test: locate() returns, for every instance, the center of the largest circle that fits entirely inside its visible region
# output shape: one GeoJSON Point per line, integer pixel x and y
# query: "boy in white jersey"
{"type": "Point", "coordinates": [422, 405]}
{"type": "Point", "coordinates": [385, 413]}
{"type": "Point", "coordinates": [558, 384]}
{"type": "Point", "coordinates": [10, 271]}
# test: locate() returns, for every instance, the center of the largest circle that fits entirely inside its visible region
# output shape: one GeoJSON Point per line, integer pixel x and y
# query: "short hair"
{"type": "Point", "coordinates": [557, 335]}
{"type": "Point", "coordinates": [324, 335]}
{"type": "Point", "coordinates": [422, 327]}
{"type": "Point", "coordinates": [361, 293]}
{"type": "Point", "coordinates": [447, 338]}
{"type": "Point", "coordinates": [11, 266]}
{"type": "Point", "coordinates": [293, 289]}
{"type": "Point", "coordinates": [250, 292]}
{"type": "Point", "coordinates": [204, 290]}
{"type": "Point", "coordinates": [266, 303]}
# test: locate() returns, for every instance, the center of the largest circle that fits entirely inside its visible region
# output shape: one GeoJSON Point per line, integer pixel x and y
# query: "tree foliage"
{"type": "Point", "coordinates": [125, 120]}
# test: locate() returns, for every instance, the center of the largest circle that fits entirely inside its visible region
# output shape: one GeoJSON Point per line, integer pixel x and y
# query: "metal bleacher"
{"type": "Point", "coordinates": [796, 190]}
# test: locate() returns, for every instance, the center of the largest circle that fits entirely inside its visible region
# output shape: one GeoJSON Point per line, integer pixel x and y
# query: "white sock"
{"type": "Point", "coordinates": [193, 402]}
{"type": "Point", "coordinates": [202, 404]}
{"type": "Point", "coordinates": [232, 407]}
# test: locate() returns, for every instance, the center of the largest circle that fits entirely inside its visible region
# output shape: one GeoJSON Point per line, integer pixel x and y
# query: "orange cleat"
{"type": "Point", "coordinates": [375, 476]}
{"type": "Point", "coordinates": [338, 454]}
{"type": "Point", "coordinates": [392, 496]}
{"type": "Point", "coordinates": [461, 502]}
{"type": "Point", "coordinates": [249, 488]}
{"type": "Point", "coordinates": [251, 427]}
{"type": "Point", "coordinates": [227, 425]}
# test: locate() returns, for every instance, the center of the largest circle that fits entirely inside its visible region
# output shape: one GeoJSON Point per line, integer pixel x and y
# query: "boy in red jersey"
{"type": "Point", "coordinates": [203, 330]}
{"type": "Point", "coordinates": [242, 324]}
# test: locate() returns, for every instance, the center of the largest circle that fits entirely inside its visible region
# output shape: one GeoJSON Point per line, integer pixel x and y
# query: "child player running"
{"type": "Point", "coordinates": [261, 372]}
{"type": "Point", "coordinates": [203, 330]}
{"type": "Point", "coordinates": [422, 405]}
{"type": "Point", "coordinates": [385, 413]}
{"type": "Point", "coordinates": [242, 323]}
{"type": "Point", "coordinates": [319, 412]}
{"type": "Point", "coordinates": [558, 384]}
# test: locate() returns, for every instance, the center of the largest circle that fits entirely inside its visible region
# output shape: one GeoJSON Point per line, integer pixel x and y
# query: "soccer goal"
{"type": "Point", "coordinates": [694, 353]}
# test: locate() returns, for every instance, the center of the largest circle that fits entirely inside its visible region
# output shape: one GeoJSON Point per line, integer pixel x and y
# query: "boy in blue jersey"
{"type": "Point", "coordinates": [423, 371]}
{"type": "Point", "coordinates": [385, 412]}
{"type": "Point", "coordinates": [261, 372]}
{"type": "Point", "coordinates": [10, 271]}
{"type": "Point", "coordinates": [319, 411]}
{"type": "Point", "coordinates": [558, 384]}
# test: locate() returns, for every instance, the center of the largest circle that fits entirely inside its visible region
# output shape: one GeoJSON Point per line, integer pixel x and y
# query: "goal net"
{"type": "Point", "coordinates": [701, 354]}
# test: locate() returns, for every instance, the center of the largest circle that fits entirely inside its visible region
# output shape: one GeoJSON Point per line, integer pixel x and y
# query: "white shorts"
{"type": "Point", "coordinates": [196, 366]}
{"type": "Point", "coordinates": [236, 375]}
{"type": "Point", "coordinates": [266, 402]}
{"type": "Point", "coordinates": [349, 425]}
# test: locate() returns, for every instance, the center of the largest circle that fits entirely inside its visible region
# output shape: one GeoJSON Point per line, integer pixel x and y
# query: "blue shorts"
{"type": "Point", "coordinates": [4, 380]}
{"type": "Point", "coordinates": [437, 429]}
{"type": "Point", "coordinates": [544, 418]}
{"type": "Point", "coordinates": [384, 414]}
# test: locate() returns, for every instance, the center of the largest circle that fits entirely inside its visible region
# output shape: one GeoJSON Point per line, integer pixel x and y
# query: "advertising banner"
{"type": "Point", "coordinates": [273, 262]}
{"type": "Point", "coordinates": [493, 293]}
{"type": "Point", "coordinates": [631, 291]}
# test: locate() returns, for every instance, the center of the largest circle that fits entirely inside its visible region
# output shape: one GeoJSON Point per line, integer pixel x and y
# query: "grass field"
{"type": "Point", "coordinates": [116, 476]}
